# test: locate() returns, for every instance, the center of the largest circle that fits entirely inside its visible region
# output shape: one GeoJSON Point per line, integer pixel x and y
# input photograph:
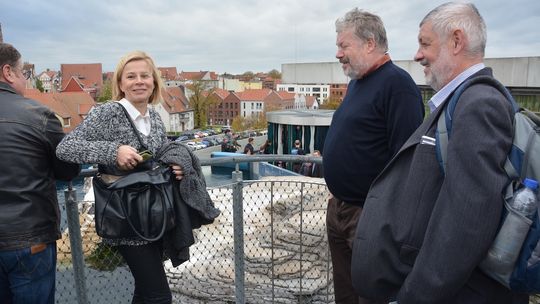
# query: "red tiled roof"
{"type": "Point", "coordinates": [174, 100]}
{"type": "Point", "coordinates": [168, 73]}
{"type": "Point", "coordinates": [310, 100]}
{"type": "Point", "coordinates": [49, 73]}
{"type": "Point", "coordinates": [285, 95]}
{"type": "Point", "coordinates": [48, 100]}
{"type": "Point", "coordinates": [221, 93]}
{"type": "Point", "coordinates": [191, 75]}
{"type": "Point", "coordinates": [31, 91]}
{"type": "Point", "coordinates": [258, 94]}
{"type": "Point", "coordinates": [73, 85]}
{"type": "Point", "coordinates": [108, 75]}
{"type": "Point", "coordinates": [74, 105]}
{"type": "Point", "coordinates": [84, 109]}
{"type": "Point", "coordinates": [88, 74]}
{"type": "Point", "coordinates": [197, 75]}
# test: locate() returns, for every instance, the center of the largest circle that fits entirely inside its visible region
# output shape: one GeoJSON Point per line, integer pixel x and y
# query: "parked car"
{"type": "Point", "coordinates": [191, 145]}
{"type": "Point", "coordinates": [225, 128]}
{"type": "Point", "coordinates": [182, 138]}
{"type": "Point", "coordinates": [210, 132]}
{"type": "Point", "coordinates": [207, 142]}
{"type": "Point", "coordinates": [188, 134]}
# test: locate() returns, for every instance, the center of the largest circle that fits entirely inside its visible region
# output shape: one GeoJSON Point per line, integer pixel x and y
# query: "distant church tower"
{"type": "Point", "coordinates": [1, 38]}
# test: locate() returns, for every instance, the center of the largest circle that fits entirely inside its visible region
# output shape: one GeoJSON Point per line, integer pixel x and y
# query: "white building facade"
{"type": "Point", "coordinates": [320, 91]}
{"type": "Point", "coordinates": [251, 108]}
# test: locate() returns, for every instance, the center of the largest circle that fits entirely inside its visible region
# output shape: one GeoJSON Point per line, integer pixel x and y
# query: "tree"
{"type": "Point", "coordinates": [106, 92]}
{"type": "Point", "coordinates": [248, 75]}
{"type": "Point", "coordinates": [260, 122]}
{"type": "Point", "coordinates": [331, 104]}
{"type": "Point", "coordinates": [39, 85]}
{"type": "Point", "coordinates": [274, 74]}
{"type": "Point", "coordinates": [200, 101]}
{"type": "Point", "coordinates": [238, 123]}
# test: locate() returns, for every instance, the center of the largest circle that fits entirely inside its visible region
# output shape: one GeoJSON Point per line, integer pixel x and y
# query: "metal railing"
{"type": "Point", "coordinates": [268, 246]}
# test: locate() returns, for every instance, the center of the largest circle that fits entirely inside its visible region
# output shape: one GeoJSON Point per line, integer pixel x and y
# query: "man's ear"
{"type": "Point", "coordinates": [458, 41]}
{"type": "Point", "coordinates": [7, 74]}
{"type": "Point", "coordinates": [370, 44]}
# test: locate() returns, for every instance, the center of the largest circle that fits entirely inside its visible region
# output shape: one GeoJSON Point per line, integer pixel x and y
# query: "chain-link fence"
{"type": "Point", "coordinates": [267, 246]}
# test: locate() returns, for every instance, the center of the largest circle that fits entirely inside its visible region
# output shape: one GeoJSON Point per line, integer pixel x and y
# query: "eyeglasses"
{"type": "Point", "coordinates": [26, 73]}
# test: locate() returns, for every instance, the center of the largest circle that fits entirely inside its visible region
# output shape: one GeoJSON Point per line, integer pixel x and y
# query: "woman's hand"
{"type": "Point", "coordinates": [177, 170]}
{"type": "Point", "coordinates": [127, 157]}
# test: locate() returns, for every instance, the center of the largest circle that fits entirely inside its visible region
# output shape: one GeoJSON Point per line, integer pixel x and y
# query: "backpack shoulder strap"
{"type": "Point", "coordinates": [444, 123]}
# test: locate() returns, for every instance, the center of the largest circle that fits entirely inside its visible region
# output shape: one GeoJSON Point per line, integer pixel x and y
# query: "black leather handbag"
{"type": "Point", "coordinates": [138, 204]}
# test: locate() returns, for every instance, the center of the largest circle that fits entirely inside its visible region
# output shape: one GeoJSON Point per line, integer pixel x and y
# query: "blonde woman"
{"type": "Point", "coordinates": [106, 138]}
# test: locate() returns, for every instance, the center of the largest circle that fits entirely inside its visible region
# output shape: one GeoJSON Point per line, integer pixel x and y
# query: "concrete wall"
{"type": "Point", "coordinates": [301, 117]}
{"type": "Point", "coordinates": [512, 72]}
{"type": "Point", "coordinates": [313, 73]}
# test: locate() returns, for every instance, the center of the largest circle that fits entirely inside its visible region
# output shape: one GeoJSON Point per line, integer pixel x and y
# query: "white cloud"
{"type": "Point", "coordinates": [233, 36]}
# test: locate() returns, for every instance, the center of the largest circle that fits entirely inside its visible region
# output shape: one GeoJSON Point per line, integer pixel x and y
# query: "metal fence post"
{"type": "Point", "coordinates": [238, 224]}
{"type": "Point", "coordinates": [75, 240]}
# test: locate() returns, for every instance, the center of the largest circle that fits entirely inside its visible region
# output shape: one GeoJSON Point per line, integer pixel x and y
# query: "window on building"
{"type": "Point", "coordinates": [67, 122]}
{"type": "Point", "coordinates": [290, 89]}
{"type": "Point", "coordinates": [316, 89]}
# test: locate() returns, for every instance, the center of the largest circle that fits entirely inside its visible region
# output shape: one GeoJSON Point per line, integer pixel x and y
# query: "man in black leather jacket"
{"type": "Point", "coordinates": [29, 213]}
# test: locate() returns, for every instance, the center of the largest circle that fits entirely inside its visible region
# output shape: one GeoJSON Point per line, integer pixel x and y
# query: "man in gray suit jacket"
{"type": "Point", "coordinates": [422, 234]}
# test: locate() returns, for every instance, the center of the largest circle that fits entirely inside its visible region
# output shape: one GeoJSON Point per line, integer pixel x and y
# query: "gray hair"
{"type": "Point", "coordinates": [464, 16]}
{"type": "Point", "coordinates": [366, 26]}
{"type": "Point", "coordinates": [9, 55]}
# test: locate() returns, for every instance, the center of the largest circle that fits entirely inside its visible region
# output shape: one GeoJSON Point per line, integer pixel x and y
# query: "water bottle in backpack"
{"type": "Point", "coordinates": [525, 199]}
{"type": "Point", "coordinates": [501, 258]}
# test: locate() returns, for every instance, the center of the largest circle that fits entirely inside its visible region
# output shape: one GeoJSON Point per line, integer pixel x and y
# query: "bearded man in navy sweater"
{"type": "Point", "coordinates": [381, 109]}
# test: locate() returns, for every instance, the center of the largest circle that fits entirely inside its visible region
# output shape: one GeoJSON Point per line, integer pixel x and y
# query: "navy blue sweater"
{"type": "Point", "coordinates": [377, 116]}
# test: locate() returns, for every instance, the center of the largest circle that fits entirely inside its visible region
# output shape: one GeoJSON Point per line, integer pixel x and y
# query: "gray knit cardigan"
{"type": "Point", "coordinates": [97, 138]}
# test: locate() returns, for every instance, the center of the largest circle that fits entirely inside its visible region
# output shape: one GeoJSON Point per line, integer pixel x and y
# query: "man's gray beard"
{"type": "Point", "coordinates": [440, 73]}
{"type": "Point", "coordinates": [356, 72]}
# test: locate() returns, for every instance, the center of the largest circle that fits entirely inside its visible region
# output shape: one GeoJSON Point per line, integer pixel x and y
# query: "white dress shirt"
{"type": "Point", "coordinates": [142, 122]}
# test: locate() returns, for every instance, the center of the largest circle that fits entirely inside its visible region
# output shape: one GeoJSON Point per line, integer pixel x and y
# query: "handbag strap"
{"type": "Point", "coordinates": [133, 126]}
{"type": "Point", "coordinates": [163, 225]}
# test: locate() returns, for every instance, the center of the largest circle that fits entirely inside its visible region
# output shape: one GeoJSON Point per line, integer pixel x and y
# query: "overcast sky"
{"type": "Point", "coordinates": [233, 36]}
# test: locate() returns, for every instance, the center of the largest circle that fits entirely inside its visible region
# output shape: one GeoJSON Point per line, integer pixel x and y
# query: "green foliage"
{"type": "Point", "coordinates": [274, 74]}
{"type": "Point", "coordinates": [105, 258]}
{"type": "Point", "coordinates": [331, 104]}
{"type": "Point", "coordinates": [39, 85]}
{"type": "Point", "coordinates": [106, 92]}
{"type": "Point", "coordinates": [248, 75]}
{"type": "Point", "coordinates": [240, 123]}
{"type": "Point", "coordinates": [200, 102]}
